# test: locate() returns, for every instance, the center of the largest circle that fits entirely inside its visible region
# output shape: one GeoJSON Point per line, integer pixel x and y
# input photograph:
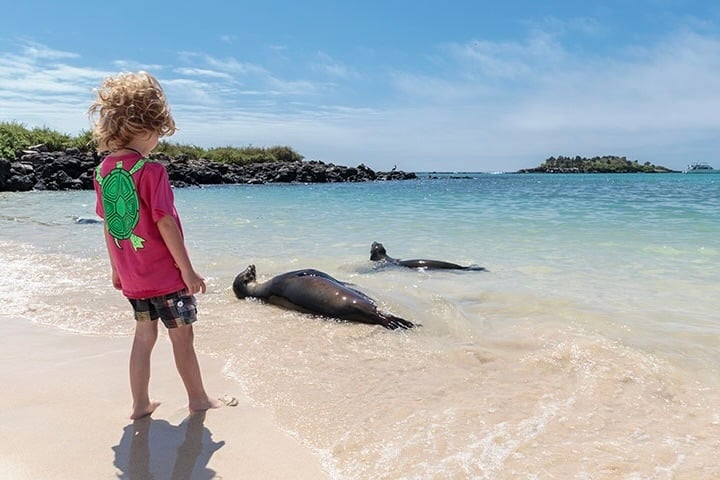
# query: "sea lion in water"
{"type": "Point", "coordinates": [315, 292]}
{"type": "Point", "coordinates": [86, 220]}
{"type": "Point", "coordinates": [379, 254]}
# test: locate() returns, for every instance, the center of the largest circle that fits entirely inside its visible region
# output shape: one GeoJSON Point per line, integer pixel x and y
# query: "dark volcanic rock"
{"type": "Point", "coordinates": [39, 169]}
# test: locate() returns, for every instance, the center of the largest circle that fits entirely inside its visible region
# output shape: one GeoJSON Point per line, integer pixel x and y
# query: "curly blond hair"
{"type": "Point", "coordinates": [127, 106]}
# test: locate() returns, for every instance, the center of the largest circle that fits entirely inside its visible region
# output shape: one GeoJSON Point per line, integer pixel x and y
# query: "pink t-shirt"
{"type": "Point", "coordinates": [142, 260]}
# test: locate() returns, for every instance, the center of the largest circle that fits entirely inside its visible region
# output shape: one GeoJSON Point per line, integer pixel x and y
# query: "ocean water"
{"type": "Point", "coordinates": [588, 350]}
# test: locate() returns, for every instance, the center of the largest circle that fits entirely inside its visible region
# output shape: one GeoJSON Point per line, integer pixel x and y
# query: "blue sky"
{"type": "Point", "coordinates": [424, 85]}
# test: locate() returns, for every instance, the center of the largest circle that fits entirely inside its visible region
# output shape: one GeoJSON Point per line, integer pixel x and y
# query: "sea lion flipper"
{"type": "Point", "coordinates": [393, 323]}
{"type": "Point", "coordinates": [475, 268]}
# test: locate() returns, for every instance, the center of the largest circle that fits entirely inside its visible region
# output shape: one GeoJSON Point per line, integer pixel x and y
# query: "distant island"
{"type": "Point", "coordinates": [604, 164]}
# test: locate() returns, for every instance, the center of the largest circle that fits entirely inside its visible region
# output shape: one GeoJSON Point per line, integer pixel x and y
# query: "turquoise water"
{"type": "Point", "coordinates": [588, 350]}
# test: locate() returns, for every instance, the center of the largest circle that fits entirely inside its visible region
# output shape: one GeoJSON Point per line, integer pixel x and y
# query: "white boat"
{"type": "Point", "coordinates": [700, 168]}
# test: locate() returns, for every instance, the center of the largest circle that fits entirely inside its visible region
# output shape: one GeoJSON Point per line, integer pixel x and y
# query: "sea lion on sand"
{"type": "Point", "coordinates": [315, 292]}
{"type": "Point", "coordinates": [379, 254]}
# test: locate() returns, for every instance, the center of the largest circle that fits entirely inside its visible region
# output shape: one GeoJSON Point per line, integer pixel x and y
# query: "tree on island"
{"type": "Point", "coordinates": [604, 164]}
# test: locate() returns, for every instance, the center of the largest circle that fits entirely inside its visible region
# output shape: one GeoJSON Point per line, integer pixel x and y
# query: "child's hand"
{"type": "Point", "coordinates": [194, 282]}
{"type": "Point", "coordinates": [116, 280]}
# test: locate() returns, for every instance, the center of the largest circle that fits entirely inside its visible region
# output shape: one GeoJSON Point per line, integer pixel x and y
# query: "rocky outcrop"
{"type": "Point", "coordinates": [183, 172]}
{"type": "Point", "coordinates": [38, 169]}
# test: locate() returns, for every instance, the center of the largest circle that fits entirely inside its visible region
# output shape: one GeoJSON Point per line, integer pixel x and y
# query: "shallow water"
{"type": "Point", "coordinates": [588, 350]}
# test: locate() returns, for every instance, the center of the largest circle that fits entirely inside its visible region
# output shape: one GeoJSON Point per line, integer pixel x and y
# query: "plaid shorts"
{"type": "Point", "coordinates": [175, 309]}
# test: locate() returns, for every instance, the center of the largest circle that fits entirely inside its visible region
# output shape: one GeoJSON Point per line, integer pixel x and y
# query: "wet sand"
{"type": "Point", "coordinates": [64, 415]}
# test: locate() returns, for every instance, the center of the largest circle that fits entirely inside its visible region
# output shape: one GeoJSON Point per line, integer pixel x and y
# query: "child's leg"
{"type": "Point", "coordinates": [189, 369]}
{"type": "Point", "coordinates": [145, 336]}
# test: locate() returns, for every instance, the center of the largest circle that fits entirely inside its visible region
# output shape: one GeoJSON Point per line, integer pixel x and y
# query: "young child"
{"type": "Point", "coordinates": [143, 233]}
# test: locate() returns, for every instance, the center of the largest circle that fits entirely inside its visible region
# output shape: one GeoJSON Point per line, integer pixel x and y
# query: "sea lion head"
{"type": "Point", "coordinates": [240, 285]}
{"type": "Point", "coordinates": [377, 252]}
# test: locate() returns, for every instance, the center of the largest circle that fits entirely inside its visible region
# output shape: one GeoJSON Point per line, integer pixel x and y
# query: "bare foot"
{"type": "Point", "coordinates": [207, 404]}
{"type": "Point", "coordinates": [143, 410]}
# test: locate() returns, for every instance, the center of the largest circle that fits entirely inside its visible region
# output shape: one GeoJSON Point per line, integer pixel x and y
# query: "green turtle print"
{"type": "Point", "coordinates": [121, 203]}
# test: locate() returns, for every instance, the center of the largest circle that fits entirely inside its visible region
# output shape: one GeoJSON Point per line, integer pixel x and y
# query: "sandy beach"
{"type": "Point", "coordinates": [64, 415]}
{"type": "Point", "coordinates": [587, 350]}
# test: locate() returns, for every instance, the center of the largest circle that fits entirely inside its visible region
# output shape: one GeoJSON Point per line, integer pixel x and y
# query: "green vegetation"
{"type": "Point", "coordinates": [604, 164]}
{"type": "Point", "coordinates": [16, 136]}
{"type": "Point", "coordinates": [229, 154]}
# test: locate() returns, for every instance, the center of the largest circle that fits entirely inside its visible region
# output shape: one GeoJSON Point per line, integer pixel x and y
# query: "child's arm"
{"type": "Point", "coordinates": [174, 241]}
{"type": "Point", "coordinates": [115, 277]}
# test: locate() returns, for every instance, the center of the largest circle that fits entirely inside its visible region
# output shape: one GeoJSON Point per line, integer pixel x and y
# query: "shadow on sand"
{"type": "Point", "coordinates": [155, 449]}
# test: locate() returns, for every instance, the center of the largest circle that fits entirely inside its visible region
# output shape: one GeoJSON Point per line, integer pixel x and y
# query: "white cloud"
{"type": "Point", "coordinates": [134, 66]}
{"type": "Point", "coordinates": [34, 77]}
{"type": "Point", "coordinates": [672, 86]}
{"type": "Point", "coordinates": [326, 65]}
{"type": "Point", "coordinates": [37, 51]}
{"type": "Point", "coordinates": [254, 78]}
{"type": "Point", "coordinates": [482, 106]}
{"type": "Point", "coordinates": [201, 72]}
{"type": "Point", "coordinates": [512, 60]}
{"type": "Point", "coordinates": [441, 91]}
{"type": "Point", "coordinates": [233, 66]}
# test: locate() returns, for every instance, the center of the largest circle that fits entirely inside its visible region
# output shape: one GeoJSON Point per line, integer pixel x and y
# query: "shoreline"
{"type": "Point", "coordinates": [66, 405]}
